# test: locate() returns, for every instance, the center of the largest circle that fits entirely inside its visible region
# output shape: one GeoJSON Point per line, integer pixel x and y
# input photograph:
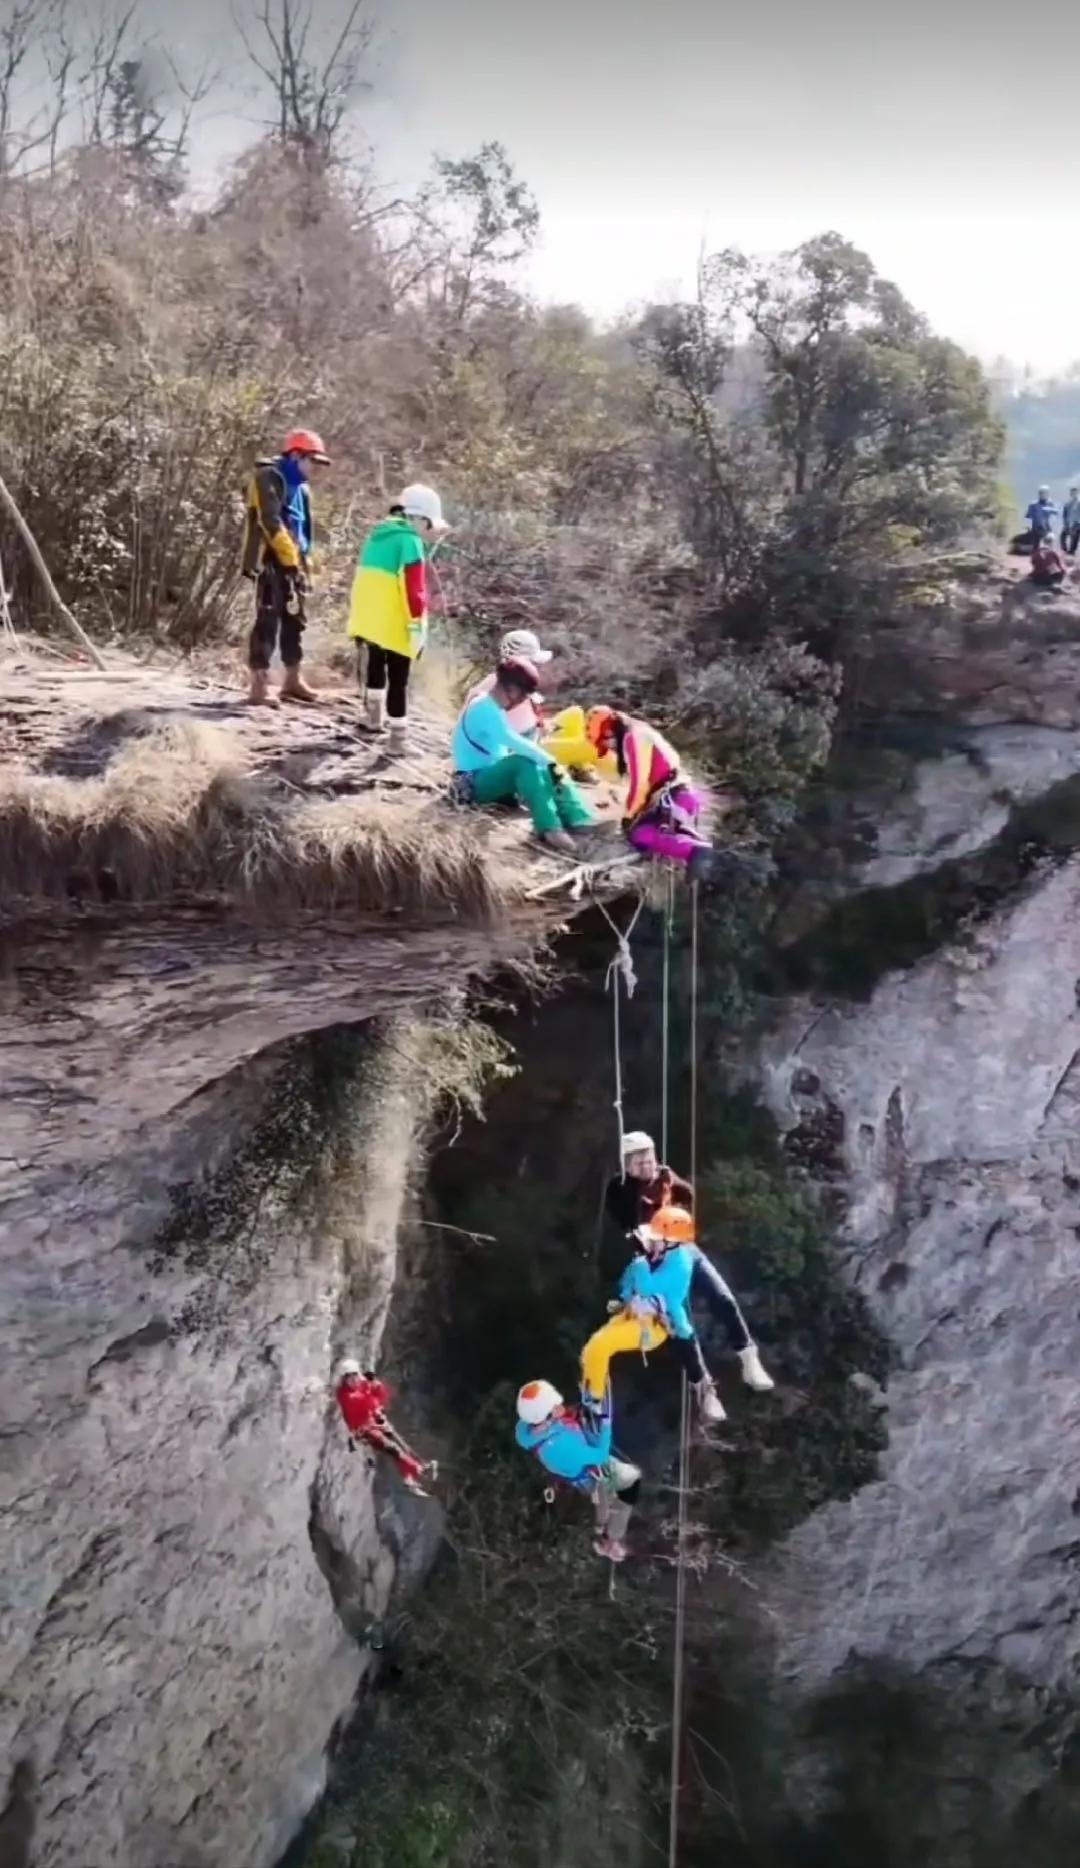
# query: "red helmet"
{"type": "Point", "coordinates": [306, 441]}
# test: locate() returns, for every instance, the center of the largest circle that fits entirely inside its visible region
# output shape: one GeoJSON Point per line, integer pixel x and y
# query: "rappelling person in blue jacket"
{"type": "Point", "coordinates": [577, 1451]}
{"type": "Point", "coordinates": [654, 1304]}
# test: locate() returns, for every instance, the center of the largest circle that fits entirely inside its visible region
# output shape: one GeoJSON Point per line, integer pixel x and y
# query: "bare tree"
{"type": "Point", "coordinates": [137, 104]}
{"type": "Point", "coordinates": [315, 77]}
{"type": "Point", "coordinates": [29, 27]}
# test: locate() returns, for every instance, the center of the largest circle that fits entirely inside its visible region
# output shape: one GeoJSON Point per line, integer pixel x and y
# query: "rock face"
{"type": "Point", "coordinates": [943, 1108]}
{"type": "Point", "coordinates": [211, 1103]}
{"type": "Point", "coordinates": [189, 1550]}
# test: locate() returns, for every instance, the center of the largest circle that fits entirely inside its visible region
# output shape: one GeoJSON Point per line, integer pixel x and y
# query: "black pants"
{"type": "Point", "coordinates": [276, 623]}
{"type": "Point", "coordinates": [386, 669]}
{"type": "Point", "coordinates": [1070, 538]}
{"type": "Point", "coordinates": [688, 1349]}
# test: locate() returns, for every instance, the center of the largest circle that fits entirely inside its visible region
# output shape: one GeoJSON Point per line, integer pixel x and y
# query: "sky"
{"type": "Point", "coordinates": [927, 134]}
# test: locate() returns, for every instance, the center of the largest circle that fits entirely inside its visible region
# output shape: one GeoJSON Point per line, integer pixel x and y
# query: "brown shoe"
{"type": "Point", "coordinates": [295, 688]}
{"type": "Point", "coordinates": [260, 693]}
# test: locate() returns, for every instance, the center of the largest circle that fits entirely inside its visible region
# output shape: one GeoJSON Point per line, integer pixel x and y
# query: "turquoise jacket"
{"type": "Point", "coordinates": [483, 735]}
{"type": "Point", "coordinates": [667, 1284]}
{"type": "Point", "coordinates": [567, 1448]}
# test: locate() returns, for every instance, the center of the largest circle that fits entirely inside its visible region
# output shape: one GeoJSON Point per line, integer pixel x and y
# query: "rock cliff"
{"type": "Point", "coordinates": [232, 955]}
{"type": "Point", "coordinates": [935, 1091]}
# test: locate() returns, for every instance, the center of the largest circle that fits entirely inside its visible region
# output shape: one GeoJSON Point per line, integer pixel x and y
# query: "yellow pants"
{"type": "Point", "coordinates": [622, 1333]}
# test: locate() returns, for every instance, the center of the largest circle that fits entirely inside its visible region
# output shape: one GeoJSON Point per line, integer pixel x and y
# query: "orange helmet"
{"type": "Point", "coordinates": [671, 1225]}
{"type": "Point", "coordinates": [600, 724]}
{"type": "Point", "coordinates": [306, 441]}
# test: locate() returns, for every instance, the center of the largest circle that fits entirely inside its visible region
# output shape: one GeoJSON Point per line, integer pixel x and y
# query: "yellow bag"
{"type": "Point", "coordinates": [566, 741]}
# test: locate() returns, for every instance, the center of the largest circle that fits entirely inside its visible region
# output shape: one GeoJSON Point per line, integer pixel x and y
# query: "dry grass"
{"type": "Point", "coordinates": [176, 815]}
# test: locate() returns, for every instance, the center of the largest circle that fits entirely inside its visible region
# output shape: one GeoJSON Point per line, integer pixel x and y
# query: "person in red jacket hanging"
{"type": "Point", "coordinates": [362, 1400]}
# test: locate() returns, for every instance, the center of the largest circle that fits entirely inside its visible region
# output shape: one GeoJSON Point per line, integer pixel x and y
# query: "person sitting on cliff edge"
{"type": "Point", "coordinates": [493, 763]}
{"type": "Point", "coordinates": [1048, 567]}
{"type": "Point", "coordinates": [363, 1400]}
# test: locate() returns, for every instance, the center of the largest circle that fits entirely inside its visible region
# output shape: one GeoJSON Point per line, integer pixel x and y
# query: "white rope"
{"type": "Point", "coordinates": [621, 969]}
{"type": "Point", "coordinates": [665, 1015]}
{"type": "Point", "coordinates": [679, 1673]}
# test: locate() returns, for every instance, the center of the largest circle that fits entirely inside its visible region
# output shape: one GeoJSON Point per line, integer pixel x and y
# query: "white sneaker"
{"type": "Point", "coordinates": [709, 1403]}
{"type": "Point", "coordinates": [610, 1549]}
{"type": "Point", "coordinates": [375, 710]}
{"type": "Point", "coordinates": [753, 1371]}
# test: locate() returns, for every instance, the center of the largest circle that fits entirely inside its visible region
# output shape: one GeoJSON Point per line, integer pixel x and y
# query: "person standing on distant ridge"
{"type": "Point", "coordinates": [389, 607]}
{"type": "Point", "coordinates": [278, 539]}
{"type": "Point", "coordinates": [1041, 515]}
{"type": "Point", "coordinates": [1070, 522]}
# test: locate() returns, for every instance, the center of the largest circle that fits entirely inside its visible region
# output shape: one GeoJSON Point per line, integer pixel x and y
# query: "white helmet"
{"type": "Point", "coordinates": [522, 642]}
{"type": "Point", "coordinates": [536, 1401]}
{"type": "Point", "coordinates": [1044, 492]}
{"type": "Point", "coordinates": [636, 1142]}
{"type": "Point", "coordinates": [348, 1366]}
{"type": "Point", "coordinates": [422, 502]}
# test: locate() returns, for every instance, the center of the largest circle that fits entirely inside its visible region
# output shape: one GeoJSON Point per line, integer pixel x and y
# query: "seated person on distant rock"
{"type": "Point", "coordinates": [578, 1452]}
{"type": "Point", "coordinates": [1041, 515]}
{"type": "Point", "coordinates": [362, 1400]}
{"type": "Point", "coordinates": [1070, 522]}
{"type": "Point", "coordinates": [518, 645]}
{"type": "Point", "coordinates": [662, 809]}
{"type": "Point", "coordinates": [1048, 567]}
{"type": "Point", "coordinates": [494, 763]}
{"type": "Point", "coordinates": [654, 1303]}
{"type": "Point", "coordinates": [632, 1197]}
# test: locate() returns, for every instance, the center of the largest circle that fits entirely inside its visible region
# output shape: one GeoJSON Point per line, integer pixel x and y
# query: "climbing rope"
{"type": "Point", "coordinates": [679, 1671]}
{"type": "Point", "coordinates": [621, 970]}
{"type": "Point", "coordinates": [665, 1014]}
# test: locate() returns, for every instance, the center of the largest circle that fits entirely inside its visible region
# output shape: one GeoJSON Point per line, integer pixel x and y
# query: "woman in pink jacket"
{"type": "Point", "coordinates": [662, 809]}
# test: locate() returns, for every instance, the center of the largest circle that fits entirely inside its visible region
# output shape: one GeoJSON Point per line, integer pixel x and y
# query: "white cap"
{"type": "Point", "coordinates": [536, 1401]}
{"type": "Point", "coordinates": [522, 642]}
{"type": "Point", "coordinates": [348, 1366]}
{"type": "Point", "coordinates": [422, 502]}
{"type": "Point", "coordinates": [1042, 490]}
{"type": "Point", "coordinates": [636, 1142]}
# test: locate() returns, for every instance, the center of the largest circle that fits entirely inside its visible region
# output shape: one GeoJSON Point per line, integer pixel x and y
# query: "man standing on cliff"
{"type": "Point", "coordinates": [362, 1400]}
{"type": "Point", "coordinates": [278, 541]}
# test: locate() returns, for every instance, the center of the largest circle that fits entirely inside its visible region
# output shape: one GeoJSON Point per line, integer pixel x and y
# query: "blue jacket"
{"type": "Point", "coordinates": [483, 735]}
{"type": "Point", "coordinates": [1042, 513]}
{"type": "Point", "coordinates": [666, 1285]}
{"type": "Point", "coordinates": [567, 1448]}
{"type": "Point", "coordinates": [296, 506]}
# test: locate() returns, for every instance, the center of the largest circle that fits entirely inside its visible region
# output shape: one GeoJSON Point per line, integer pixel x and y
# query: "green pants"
{"type": "Point", "coordinates": [553, 806]}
